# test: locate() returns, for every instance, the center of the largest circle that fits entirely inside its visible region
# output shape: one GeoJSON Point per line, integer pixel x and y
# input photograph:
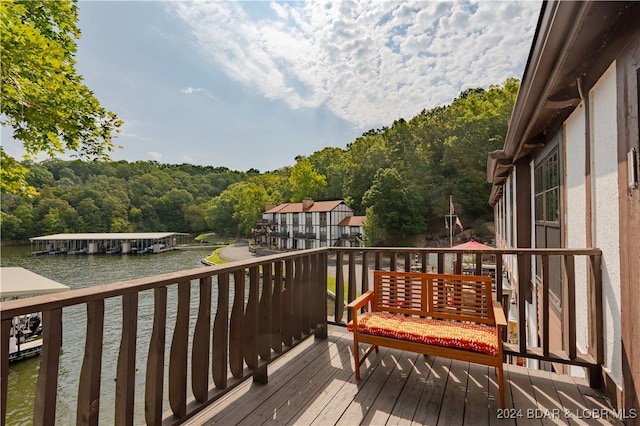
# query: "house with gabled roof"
{"type": "Point", "coordinates": [309, 224]}
{"type": "Point", "coordinates": [567, 177]}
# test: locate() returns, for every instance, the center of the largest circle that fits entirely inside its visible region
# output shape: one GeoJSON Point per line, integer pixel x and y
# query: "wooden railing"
{"type": "Point", "coordinates": [354, 272]}
{"type": "Point", "coordinates": [262, 309]}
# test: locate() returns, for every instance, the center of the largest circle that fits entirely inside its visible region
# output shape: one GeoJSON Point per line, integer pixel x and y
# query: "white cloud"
{"type": "Point", "coordinates": [370, 62]}
{"type": "Point", "coordinates": [194, 90]}
{"type": "Point", "coordinates": [157, 156]}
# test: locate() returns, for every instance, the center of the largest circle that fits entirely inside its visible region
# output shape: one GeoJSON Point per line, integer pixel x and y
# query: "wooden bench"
{"type": "Point", "coordinates": [451, 316]}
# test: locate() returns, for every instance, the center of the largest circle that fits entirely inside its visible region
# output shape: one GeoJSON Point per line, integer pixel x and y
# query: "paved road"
{"type": "Point", "coordinates": [236, 251]}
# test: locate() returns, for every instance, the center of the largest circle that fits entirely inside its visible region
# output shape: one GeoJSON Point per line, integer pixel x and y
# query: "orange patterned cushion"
{"type": "Point", "coordinates": [474, 337]}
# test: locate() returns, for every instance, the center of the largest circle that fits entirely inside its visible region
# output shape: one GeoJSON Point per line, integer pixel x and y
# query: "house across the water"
{"type": "Point", "coordinates": [309, 224]}
{"type": "Point", "coordinates": [106, 243]}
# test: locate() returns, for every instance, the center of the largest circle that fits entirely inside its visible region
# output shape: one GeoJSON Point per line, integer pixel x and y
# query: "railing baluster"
{"type": "Point", "coordinates": [236, 325]}
{"type": "Point", "coordinates": [201, 338]}
{"type": "Point", "coordinates": [545, 305]}
{"type": "Point", "coordinates": [220, 340]}
{"type": "Point", "coordinates": [250, 344]}
{"type": "Point", "coordinates": [287, 304]}
{"type": "Point", "coordinates": [88, 407]}
{"type": "Point", "coordinates": [126, 369]}
{"type": "Point", "coordinates": [44, 408]}
{"type": "Point", "coordinates": [365, 272]}
{"type": "Point", "coordinates": [407, 261]}
{"type": "Point", "coordinates": [5, 330]}
{"type": "Point", "coordinates": [596, 325]}
{"type": "Point", "coordinates": [393, 261]}
{"type": "Point", "coordinates": [478, 256]}
{"type": "Point", "coordinates": [440, 262]}
{"type": "Point", "coordinates": [306, 296]}
{"type": "Point", "coordinates": [298, 326]}
{"type": "Point", "coordinates": [523, 290]}
{"type": "Point", "coordinates": [266, 313]}
{"type": "Point", "coordinates": [155, 360]}
{"type": "Point", "coordinates": [276, 330]}
{"type": "Point", "coordinates": [351, 289]}
{"type": "Point", "coordinates": [178, 354]}
{"type": "Point", "coordinates": [498, 280]}
{"type": "Point", "coordinates": [569, 268]}
{"type": "Point", "coordinates": [378, 261]}
{"type": "Point", "coordinates": [339, 305]}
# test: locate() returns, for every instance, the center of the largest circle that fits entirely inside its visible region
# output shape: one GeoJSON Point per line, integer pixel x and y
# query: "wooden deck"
{"type": "Point", "coordinates": [314, 384]}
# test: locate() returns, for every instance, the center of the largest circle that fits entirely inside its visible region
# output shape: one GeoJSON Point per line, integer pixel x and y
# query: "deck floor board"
{"type": "Point", "coordinates": [314, 383]}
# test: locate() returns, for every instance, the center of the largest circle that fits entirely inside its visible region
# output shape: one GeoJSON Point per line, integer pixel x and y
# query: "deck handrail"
{"type": "Point", "coordinates": [249, 331]}
{"type": "Point", "coordinates": [277, 311]}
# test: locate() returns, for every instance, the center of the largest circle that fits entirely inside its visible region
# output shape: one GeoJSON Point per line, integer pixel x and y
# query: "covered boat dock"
{"type": "Point", "coordinates": [106, 243]}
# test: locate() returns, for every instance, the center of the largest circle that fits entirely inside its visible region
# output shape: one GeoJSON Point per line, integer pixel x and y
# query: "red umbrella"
{"type": "Point", "coordinates": [472, 245]}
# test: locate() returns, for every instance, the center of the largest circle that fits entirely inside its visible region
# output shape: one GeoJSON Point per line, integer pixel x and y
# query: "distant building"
{"type": "Point", "coordinates": [309, 224]}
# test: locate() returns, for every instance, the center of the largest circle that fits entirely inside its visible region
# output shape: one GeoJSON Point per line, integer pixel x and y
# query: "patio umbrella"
{"type": "Point", "coordinates": [472, 245]}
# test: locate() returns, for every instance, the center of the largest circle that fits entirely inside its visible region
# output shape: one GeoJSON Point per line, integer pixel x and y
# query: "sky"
{"type": "Point", "coordinates": [254, 84]}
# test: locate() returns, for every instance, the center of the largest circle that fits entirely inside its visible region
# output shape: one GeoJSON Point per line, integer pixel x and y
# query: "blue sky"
{"type": "Point", "coordinates": [255, 84]}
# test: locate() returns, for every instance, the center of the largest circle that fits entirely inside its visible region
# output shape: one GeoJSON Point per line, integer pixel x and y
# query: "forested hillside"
{"type": "Point", "coordinates": [399, 176]}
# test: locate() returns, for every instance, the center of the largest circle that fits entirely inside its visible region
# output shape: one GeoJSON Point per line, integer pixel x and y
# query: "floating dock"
{"type": "Point", "coordinates": [106, 243]}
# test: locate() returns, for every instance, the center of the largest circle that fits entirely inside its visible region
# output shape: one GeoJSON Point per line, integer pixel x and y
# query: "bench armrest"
{"type": "Point", "coordinates": [498, 314]}
{"type": "Point", "coordinates": [361, 301]}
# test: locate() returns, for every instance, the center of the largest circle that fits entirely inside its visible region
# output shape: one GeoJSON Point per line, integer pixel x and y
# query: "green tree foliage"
{"type": "Point", "coordinates": [43, 98]}
{"type": "Point", "coordinates": [305, 181]}
{"type": "Point", "coordinates": [78, 196]}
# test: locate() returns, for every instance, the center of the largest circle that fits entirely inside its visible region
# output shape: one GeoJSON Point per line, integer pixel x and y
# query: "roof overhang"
{"type": "Point", "coordinates": [570, 50]}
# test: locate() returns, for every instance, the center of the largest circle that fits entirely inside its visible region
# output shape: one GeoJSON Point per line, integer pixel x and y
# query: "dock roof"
{"type": "Point", "coordinates": [107, 236]}
{"type": "Point", "coordinates": [17, 282]}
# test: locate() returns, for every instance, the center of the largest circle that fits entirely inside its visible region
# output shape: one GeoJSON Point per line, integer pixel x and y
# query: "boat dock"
{"type": "Point", "coordinates": [106, 243]}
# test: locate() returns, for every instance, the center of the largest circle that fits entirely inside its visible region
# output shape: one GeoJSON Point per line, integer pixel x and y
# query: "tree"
{"type": "Point", "coordinates": [305, 181]}
{"type": "Point", "coordinates": [43, 98]}
{"type": "Point", "coordinates": [394, 205]}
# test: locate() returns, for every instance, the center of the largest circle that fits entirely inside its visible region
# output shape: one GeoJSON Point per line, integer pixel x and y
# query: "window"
{"type": "Point", "coordinates": [547, 219]}
{"type": "Point", "coordinates": [283, 219]}
{"type": "Point", "coordinates": [323, 218]}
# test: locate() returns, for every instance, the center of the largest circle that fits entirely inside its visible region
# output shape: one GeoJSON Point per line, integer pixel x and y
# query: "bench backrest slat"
{"type": "Point", "coordinates": [450, 297]}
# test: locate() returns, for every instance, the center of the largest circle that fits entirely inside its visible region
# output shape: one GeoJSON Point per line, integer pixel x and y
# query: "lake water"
{"type": "Point", "coordinates": [87, 271]}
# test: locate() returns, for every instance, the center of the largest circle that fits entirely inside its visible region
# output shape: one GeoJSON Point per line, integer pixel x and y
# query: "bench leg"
{"type": "Point", "coordinates": [500, 378]}
{"type": "Point", "coordinates": [356, 356]}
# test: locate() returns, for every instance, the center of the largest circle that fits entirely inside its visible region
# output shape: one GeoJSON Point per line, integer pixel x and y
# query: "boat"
{"type": "Point", "coordinates": [25, 335]}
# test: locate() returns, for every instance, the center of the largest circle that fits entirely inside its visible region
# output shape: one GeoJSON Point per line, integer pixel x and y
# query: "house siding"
{"type": "Point", "coordinates": [576, 209]}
